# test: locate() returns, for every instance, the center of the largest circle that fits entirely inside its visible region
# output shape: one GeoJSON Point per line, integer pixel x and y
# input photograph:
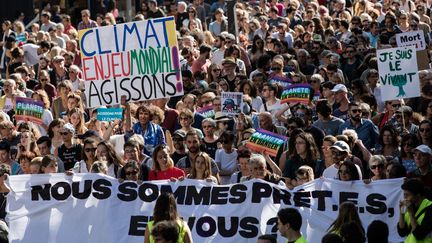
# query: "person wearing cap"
{"type": "Point", "coordinates": [69, 152]}
{"type": "Point", "coordinates": [341, 98]}
{"type": "Point", "coordinates": [423, 161]}
{"type": "Point", "coordinates": [220, 24]}
{"type": "Point", "coordinates": [179, 152]}
{"type": "Point", "coordinates": [340, 153]}
{"type": "Point", "coordinates": [5, 158]}
{"type": "Point", "coordinates": [415, 220]}
{"type": "Point", "coordinates": [59, 72]}
{"type": "Point", "coordinates": [230, 69]}
{"type": "Point", "coordinates": [366, 130]}
{"type": "Point", "coordinates": [404, 124]}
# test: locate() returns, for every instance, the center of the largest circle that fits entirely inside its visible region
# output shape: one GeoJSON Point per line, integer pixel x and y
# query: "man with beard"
{"type": "Point", "coordinates": [193, 144]}
{"type": "Point", "coordinates": [341, 98]}
{"type": "Point", "coordinates": [366, 130]}
{"type": "Point", "coordinates": [219, 44]}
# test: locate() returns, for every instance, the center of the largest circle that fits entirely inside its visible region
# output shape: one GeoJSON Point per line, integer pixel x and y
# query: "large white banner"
{"type": "Point", "coordinates": [138, 59]}
{"type": "Point", "coordinates": [398, 73]}
{"type": "Point", "coordinates": [95, 208]}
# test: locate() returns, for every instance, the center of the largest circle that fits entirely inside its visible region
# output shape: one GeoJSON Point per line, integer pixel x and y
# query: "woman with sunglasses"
{"type": "Point", "coordinates": [425, 132]}
{"type": "Point", "coordinates": [387, 116]}
{"type": "Point", "coordinates": [131, 171]}
{"type": "Point", "coordinates": [163, 166]}
{"type": "Point", "coordinates": [215, 72]}
{"type": "Point", "coordinates": [256, 51]}
{"type": "Point", "coordinates": [88, 157]}
{"type": "Point", "coordinates": [226, 157]}
{"type": "Point", "coordinates": [377, 165]}
{"type": "Point", "coordinates": [348, 171]}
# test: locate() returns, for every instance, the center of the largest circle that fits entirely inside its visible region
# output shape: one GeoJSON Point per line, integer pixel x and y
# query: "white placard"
{"type": "Point", "coordinates": [412, 38]}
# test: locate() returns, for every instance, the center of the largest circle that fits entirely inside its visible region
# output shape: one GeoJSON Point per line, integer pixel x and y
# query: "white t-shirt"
{"type": "Point", "coordinates": [218, 56]}
{"type": "Point", "coordinates": [31, 56]}
{"type": "Point", "coordinates": [332, 172]}
{"type": "Point", "coordinates": [273, 109]}
{"type": "Point", "coordinates": [227, 162]}
{"type": "Point", "coordinates": [8, 105]}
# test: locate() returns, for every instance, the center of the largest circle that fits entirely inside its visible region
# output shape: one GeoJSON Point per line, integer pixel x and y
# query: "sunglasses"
{"type": "Point", "coordinates": [356, 110]}
{"type": "Point", "coordinates": [88, 150]}
{"type": "Point", "coordinates": [424, 130]}
{"type": "Point", "coordinates": [338, 153]}
{"type": "Point", "coordinates": [134, 172]}
{"type": "Point", "coordinates": [379, 166]}
{"type": "Point", "coordinates": [396, 105]}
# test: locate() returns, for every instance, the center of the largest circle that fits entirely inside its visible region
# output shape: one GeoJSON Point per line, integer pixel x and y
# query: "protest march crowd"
{"type": "Point", "coordinates": [303, 90]}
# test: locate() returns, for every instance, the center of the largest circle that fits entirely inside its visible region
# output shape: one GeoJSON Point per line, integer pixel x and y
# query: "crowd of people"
{"type": "Point", "coordinates": [345, 132]}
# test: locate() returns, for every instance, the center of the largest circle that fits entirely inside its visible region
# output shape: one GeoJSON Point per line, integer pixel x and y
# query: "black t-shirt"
{"type": "Point", "coordinates": [70, 156]}
{"type": "Point", "coordinates": [176, 157]}
{"type": "Point", "coordinates": [211, 148]}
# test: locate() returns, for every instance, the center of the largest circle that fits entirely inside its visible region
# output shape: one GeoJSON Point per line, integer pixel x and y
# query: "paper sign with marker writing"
{"type": "Point", "coordinates": [109, 114]}
{"type": "Point", "coordinates": [207, 111]}
{"type": "Point", "coordinates": [412, 38]}
{"type": "Point", "coordinates": [398, 73]}
{"type": "Point", "coordinates": [138, 59]}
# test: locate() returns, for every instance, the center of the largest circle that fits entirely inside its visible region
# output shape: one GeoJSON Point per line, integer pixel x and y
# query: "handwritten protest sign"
{"type": "Point", "coordinates": [29, 110]}
{"type": "Point", "coordinates": [207, 111]}
{"type": "Point", "coordinates": [109, 114]}
{"type": "Point", "coordinates": [281, 81]}
{"type": "Point", "coordinates": [232, 102]}
{"type": "Point", "coordinates": [138, 59]}
{"type": "Point", "coordinates": [398, 73]}
{"type": "Point", "coordinates": [263, 140]}
{"type": "Point", "coordinates": [412, 38]}
{"type": "Point", "coordinates": [297, 93]}
{"type": "Point", "coordinates": [119, 212]}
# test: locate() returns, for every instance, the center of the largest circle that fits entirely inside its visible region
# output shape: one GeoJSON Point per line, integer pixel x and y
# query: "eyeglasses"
{"type": "Point", "coordinates": [64, 133]}
{"type": "Point", "coordinates": [379, 166]}
{"type": "Point", "coordinates": [133, 172]}
{"type": "Point", "coordinates": [276, 68]}
{"type": "Point", "coordinates": [356, 110]}
{"type": "Point", "coordinates": [424, 130]}
{"type": "Point", "coordinates": [338, 153]}
{"type": "Point", "coordinates": [88, 150]}
{"type": "Point", "coordinates": [396, 105]}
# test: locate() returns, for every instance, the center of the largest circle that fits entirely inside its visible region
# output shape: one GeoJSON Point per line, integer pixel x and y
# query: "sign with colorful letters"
{"type": "Point", "coordinates": [137, 59]}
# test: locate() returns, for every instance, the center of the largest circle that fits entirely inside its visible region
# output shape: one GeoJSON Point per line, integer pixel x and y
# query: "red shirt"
{"type": "Point", "coordinates": [173, 172]}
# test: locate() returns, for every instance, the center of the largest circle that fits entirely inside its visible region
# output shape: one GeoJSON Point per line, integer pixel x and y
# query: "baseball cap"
{"type": "Point", "coordinates": [341, 146]}
{"type": "Point", "coordinates": [424, 149]}
{"type": "Point", "coordinates": [179, 133]}
{"type": "Point", "coordinates": [69, 127]}
{"type": "Point", "coordinates": [228, 61]}
{"type": "Point", "coordinates": [340, 87]}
